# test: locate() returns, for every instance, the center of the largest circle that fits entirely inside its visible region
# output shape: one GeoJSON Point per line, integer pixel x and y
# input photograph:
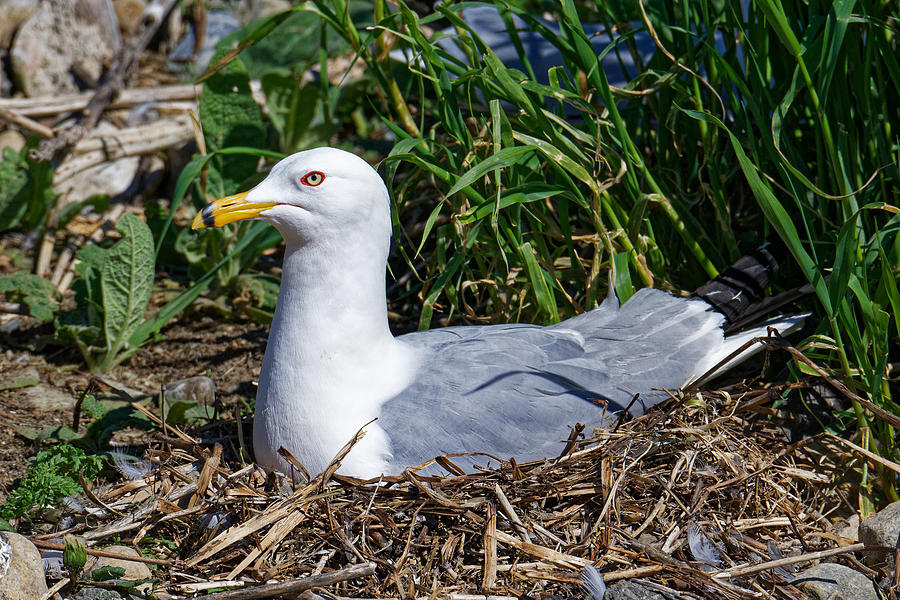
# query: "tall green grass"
{"type": "Point", "coordinates": [790, 131]}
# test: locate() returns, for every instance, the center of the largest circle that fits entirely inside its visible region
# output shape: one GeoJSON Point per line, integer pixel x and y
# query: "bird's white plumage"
{"type": "Point", "coordinates": [332, 365]}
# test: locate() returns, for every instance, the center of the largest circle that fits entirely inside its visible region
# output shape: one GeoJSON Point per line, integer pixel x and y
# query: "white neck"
{"type": "Point", "coordinates": [328, 343]}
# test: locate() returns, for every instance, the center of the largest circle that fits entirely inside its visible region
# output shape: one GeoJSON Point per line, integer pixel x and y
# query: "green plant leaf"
{"type": "Point", "coordinates": [126, 282]}
{"type": "Point", "coordinates": [35, 292]}
{"type": "Point", "coordinates": [54, 475]}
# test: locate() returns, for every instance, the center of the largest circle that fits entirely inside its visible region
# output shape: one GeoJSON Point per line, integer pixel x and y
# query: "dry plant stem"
{"type": "Point", "coordinates": [489, 544]}
{"type": "Point", "coordinates": [53, 105]}
{"type": "Point", "coordinates": [870, 455]}
{"type": "Point", "coordinates": [775, 342]}
{"type": "Point", "coordinates": [297, 586]}
{"type": "Point", "coordinates": [45, 253]}
{"type": "Point", "coordinates": [7, 114]}
{"type": "Point", "coordinates": [104, 554]}
{"type": "Point", "coordinates": [14, 308]}
{"type": "Point", "coordinates": [510, 512]}
{"type": "Point", "coordinates": [56, 587]}
{"type": "Point", "coordinates": [781, 562]}
{"type": "Point", "coordinates": [132, 141]}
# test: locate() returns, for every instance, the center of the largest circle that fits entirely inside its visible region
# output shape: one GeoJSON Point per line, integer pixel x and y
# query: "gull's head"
{"type": "Point", "coordinates": [318, 194]}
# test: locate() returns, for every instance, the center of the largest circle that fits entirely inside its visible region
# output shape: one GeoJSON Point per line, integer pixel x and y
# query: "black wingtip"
{"type": "Point", "coordinates": [742, 284]}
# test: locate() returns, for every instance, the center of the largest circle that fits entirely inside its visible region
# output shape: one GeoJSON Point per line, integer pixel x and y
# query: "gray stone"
{"type": "Point", "coordinates": [12, 14]}
{"type": "Point", "coordinates": [113, 179]}
{"type": "Point", "coordinates": [20, 377]}
{"type": "Point", "coordinates": [49, 398]}
{"type": "Point", "coordinates": [60, 35]}
{"type": "Point", "coordinates": [200, 389]}
{"type": "Point", "coordinates": [12, 139]}
{"type": "Point", "coordinates": [218, 25]}
{"type": "Point", "coordinates": [881, 529]}
{"type": "Point", "coordinates": [21, 570]}
{"type": "Point", "coordinates": [849, 529]}
{"type": "Point", "coordinates": [133, 569]}
{"type": "Point", "coordinates": [629, 589]}
{"type": "Point", "coordinates": [95, 593]}
{"type": "Point", "coordinates": [833, 581]}
{"type": "Point", "coordinates": [129, 13]}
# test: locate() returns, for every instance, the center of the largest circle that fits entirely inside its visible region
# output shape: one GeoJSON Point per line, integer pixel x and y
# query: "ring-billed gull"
{"type": "Point", "coordinates": [332, 364]}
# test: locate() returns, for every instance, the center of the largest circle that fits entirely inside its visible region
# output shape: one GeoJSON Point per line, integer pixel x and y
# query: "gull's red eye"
{"type": "Point", "coordinates": [313, 178]}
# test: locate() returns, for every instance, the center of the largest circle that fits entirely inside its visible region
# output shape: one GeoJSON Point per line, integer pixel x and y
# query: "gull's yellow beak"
{"type": "Point", "coordinates": [228, 210]}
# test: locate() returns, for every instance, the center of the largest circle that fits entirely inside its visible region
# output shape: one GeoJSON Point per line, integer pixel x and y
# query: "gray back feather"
{"type": "Point", "coordinates": [517, 390]}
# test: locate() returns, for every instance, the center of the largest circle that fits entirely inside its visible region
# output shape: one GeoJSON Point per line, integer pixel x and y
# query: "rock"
{"type": "Point", "coordinates": [62, 35]}
{"type": "Point", "coordinates": [881, 529]}
{"type": "Point", "coordinates": [218, 25]}
{"type": "Point", "coordinates": [133, 569]}
{"type": "Point", "coordinates": [626, 589]}
{"type": "Point", "coordinates": [200, 389]}
{"type": "Point", "coordinates": [21, 570]}
{"type": "Point", "coordinates": [12, 139]}
{"type": "Point", "coordinates": [112, 179]}
{"type": "Point", "coordinates": [12, 14]}
{"type": "Point", "coordinates": [19, 378]}
{"type": "Point", "coordinates": [45, 397]}
{"type": "Point", "coordinates": [833, 581]}
{"type": "Point", "coordinates": [849, 529]}
{"type": "Point", "coordinates": [95, 593]}
{"type": "Point", "coordinates": [129, 14]}
{"type": "Point", "coordinates": [267, 8]}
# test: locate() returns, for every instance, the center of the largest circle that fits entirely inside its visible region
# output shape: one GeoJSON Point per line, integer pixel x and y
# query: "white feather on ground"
{"type": "Point", "coordinates": [592, 584]}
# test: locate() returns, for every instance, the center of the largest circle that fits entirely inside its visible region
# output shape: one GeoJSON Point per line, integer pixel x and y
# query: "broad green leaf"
{"type": "Point", "coordinates": [35, 292]}
{"type": "Point", "coordinates": [126, 281]}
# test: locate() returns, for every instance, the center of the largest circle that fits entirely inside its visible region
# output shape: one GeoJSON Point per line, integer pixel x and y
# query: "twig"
{"type": "Point", "coordinates": [105, 553]}
{"type": "Point", "coordinates": [510, 512]}
{"type": "Point", "coordinates": [56, 587]}
{"type": "Point", "coordinates": [132, 141]}
{"type": "Point", "coordinates": [870, 455]}
{"type": "Point", "coordinates": [296, 586]}
{"type": "Point", "coordinates": [489, 544]}
{"type": "Point", "coordinates": [790, 560]}
{"type": "Point", "coordinates": [123, 61]}
{"type": "Point", "coordinates": [24, 122]}
{"type": "Point", "coordinates": [113, 83]}
{"type": "Point", "coordinates": [14, 308]}
{"type": "Point", "coordinates": [53, 105]}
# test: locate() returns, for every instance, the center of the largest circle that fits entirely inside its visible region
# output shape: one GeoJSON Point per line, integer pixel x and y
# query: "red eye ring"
{"type": "Point", "coordinates": [313, 178]}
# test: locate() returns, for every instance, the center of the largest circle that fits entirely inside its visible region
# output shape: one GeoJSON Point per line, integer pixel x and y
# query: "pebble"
{"type": "Point", "coordinates": [881, 529]}
{"type": "Point", "coordinates": [94, 593]}
{"type": "Point", "coordinates": [12, 139]}
{"type": "Point", "coordinates": [129, 14]}
{"type": "Point", "coordinates": [627, 589]}
{"type": "Point", "coordinates": [218, 25]}
{"type": "Point", "coordinates": [60, 35]}
{"type": "Point", "coordinates": [133, 569]}
{"type": "Point", "coordinates": [21, 569]}
{"type": "Point", "coordinates": [19, 378]}
{"type": "Point", "coordinates": [48, 398]}
{"type": "Point", "coordinates": [12, 14]}
{"type": "Point", "coordinates": [200, 389]}
{"type": "Point", "coordinates": [834, 581]}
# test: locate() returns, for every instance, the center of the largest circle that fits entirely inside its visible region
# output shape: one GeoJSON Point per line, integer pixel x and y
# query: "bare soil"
{"type": "Point", "coordinates": [229, 353]}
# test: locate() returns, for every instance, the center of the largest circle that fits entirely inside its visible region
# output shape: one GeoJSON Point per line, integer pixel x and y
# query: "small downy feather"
{"type": "Point", "coordinates": [129, 466]}
{"type": "Point", "coordinates": [702, 549]}
{"type": "Point", "coordinates": [592, 584]}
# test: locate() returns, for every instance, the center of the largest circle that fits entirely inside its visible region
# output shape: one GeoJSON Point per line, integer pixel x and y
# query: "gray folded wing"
{"type": "Point", "coordinates": [517, 390]}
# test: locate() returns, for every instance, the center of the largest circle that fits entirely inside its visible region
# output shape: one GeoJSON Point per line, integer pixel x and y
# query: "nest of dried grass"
{"type": "Point", "coordinates": [701, 498]}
